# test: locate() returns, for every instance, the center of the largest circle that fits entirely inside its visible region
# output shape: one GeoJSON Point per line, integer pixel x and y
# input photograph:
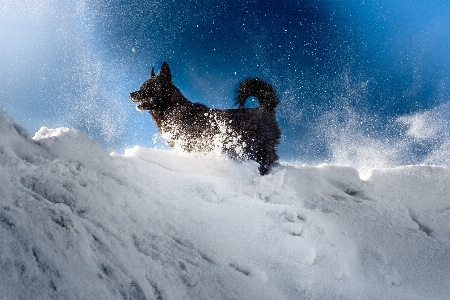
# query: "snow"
{"type": "Point", "coordinates": [79, 223]}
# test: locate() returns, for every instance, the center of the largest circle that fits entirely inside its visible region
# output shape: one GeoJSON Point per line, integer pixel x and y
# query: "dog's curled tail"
{"type": "Point", "coordinates": [259, 89]}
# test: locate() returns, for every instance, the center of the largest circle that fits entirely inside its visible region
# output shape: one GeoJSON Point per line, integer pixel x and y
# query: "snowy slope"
{"type": "Point", "coordinates": [78, 223]}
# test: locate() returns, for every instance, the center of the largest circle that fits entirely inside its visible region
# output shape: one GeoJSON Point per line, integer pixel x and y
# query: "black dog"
{"type": "Point", "coordinates": [242, 133]}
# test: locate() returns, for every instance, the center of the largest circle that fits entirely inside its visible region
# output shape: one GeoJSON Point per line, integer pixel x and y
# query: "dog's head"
{"type": "Point", "coordinates": [156, 92]}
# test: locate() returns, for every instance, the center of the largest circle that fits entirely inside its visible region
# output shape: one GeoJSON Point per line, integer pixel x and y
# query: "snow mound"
{"type": "Point", "coordinates": [78, 223]}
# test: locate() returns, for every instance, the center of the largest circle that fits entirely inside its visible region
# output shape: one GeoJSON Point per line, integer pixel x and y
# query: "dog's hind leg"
{"type": "Point", "coordinates": [266, 157]}
{"type": "Point", "coordinates": [264, 170]}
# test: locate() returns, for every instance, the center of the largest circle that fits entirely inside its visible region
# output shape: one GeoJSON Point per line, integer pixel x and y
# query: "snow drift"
{"type": "Point", "coordinates": [78, 223]}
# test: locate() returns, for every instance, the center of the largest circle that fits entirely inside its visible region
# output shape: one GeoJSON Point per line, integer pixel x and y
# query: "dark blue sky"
{"type": "Point", "coordinates": [341, 68]}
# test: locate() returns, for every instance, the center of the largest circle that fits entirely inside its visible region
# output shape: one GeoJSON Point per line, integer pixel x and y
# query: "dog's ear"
{"type": "Point", "coordinates": [165, 72]}
{"type": "Point", "coordinates": [152, 74]}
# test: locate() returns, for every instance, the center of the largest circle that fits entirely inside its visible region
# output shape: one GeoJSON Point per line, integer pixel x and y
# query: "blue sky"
{"type": "Point", "coordinates": [353, 65]}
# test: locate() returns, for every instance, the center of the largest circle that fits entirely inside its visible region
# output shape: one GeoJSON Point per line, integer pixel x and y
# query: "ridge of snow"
{"type": "Point", "coordinates": [78, 223]}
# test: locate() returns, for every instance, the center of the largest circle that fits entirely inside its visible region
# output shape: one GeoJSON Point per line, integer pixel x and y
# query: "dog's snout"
{"type": "Point", "coordinates": [133, 96]}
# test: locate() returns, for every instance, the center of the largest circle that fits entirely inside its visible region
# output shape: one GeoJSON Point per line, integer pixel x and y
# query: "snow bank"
{"type": "Point", "coordinates": [77, 223]}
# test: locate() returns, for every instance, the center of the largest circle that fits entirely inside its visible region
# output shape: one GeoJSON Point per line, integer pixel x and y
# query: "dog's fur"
{"type": "Point", "coordinates": [242, 133]}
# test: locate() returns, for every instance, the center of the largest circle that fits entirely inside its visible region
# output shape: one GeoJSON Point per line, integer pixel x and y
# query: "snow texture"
{"type": "Point", "coordinates": [79, 223]}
